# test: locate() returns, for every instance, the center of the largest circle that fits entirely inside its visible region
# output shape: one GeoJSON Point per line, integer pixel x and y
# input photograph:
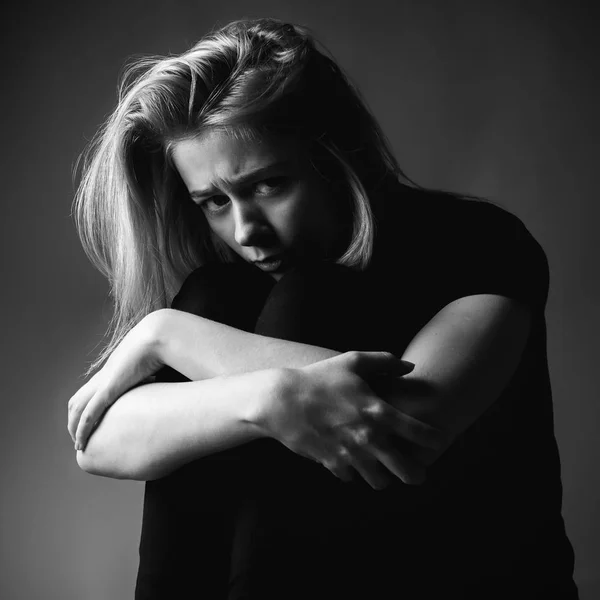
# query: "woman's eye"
{"type": "Point", "coordinates": [271, 185]}
{"type": "Point", "coordinates": [215, 203]}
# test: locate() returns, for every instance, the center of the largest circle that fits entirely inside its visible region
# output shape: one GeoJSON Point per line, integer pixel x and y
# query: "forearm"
{"type": "Point", "coordinates": [199, 348]}
{"type": "Point", "coordinates": [156, 428]}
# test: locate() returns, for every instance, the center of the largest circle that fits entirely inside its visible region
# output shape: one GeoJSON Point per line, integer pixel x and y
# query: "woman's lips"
{"type": "Point", "coordinates": [271, 264]}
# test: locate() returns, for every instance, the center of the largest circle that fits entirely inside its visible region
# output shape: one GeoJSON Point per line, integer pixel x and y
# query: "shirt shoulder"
{"type": "Point", "coordinates": [446, 247]}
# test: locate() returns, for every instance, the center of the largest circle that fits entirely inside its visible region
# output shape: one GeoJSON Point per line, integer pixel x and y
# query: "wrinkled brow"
{"type": "Point", "coordinates": [242, 180]}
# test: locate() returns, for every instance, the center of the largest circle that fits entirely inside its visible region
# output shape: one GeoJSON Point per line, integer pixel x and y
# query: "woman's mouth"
{"type": "Point", "coordinates": [271, 264]}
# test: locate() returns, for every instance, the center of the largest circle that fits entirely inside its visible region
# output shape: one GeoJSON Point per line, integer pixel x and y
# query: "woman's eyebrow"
{"type": "Point", "coordinates": [241, 180]}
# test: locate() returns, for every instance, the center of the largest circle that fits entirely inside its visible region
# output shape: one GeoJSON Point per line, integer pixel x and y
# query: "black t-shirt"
{"type": "Point", "coordinates": [486, 524]}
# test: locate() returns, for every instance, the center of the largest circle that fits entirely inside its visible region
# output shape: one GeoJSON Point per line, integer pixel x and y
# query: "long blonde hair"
{"type": "Point", "coordinates": [134, 218]}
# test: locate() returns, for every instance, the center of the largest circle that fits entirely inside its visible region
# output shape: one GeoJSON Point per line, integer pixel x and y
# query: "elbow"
{"type": "Point", "coordinates": [93, 464]}
{"type": "Point", "coordinates": [84, 462]}
{"type": "Point", "coordinates": [107, 466]}
{"type": "Point", "coordinates": [111, 454]}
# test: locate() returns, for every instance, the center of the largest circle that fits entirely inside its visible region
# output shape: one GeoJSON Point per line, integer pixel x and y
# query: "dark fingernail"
{"type": "Point", "coordinates": [408, 364]}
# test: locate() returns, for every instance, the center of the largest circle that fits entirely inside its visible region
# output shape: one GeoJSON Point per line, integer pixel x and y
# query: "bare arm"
{"type": "Point", "coordinates": [465, 356]}
{"type": "Point", "coordinates": [200, 348]}
{"type": "Point", "coordinates": [156, 428]}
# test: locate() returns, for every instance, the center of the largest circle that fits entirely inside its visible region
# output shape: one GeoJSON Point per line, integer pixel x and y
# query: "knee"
{"type": "Point", "coordinates": [230, 293]}
{"type": "Point", "coordinates": [318, 281]}
{"type": "Point", "coordinates": [321, 286]}
{"type": "Point", "coordinates": [319, 304]}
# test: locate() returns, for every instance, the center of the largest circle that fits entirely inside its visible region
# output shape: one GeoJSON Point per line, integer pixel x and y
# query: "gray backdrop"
{"type": "Point", "coordinates": [498, 99]}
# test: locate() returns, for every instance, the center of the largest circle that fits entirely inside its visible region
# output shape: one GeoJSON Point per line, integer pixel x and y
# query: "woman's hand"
{"type": "Point", "coordinates": [327, 412]}
{"type": "Point", "coordinates": [135, 359]}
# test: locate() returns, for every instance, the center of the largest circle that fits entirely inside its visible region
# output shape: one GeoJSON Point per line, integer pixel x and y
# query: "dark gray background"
{"type": "Point", "coordinates": [492, 98]}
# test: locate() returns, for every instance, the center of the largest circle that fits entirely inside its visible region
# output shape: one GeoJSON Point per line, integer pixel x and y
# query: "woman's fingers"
{"type": "Point", "coordinates": [356, 450]}
{"type": "Point", "coordinates": [339, 465]}
{"type": "Point", "coordinates": [367, 465]}
{"type": "Point", "coordinates": [374, 457]}
{"type": "Point", "coordinates": [133, 362]}
{"type": "Point", "coordinates": [332, 455]}
{"type": "Point", "coordinates": [395, 461]}
{"type": "Point", "coordinates": [415, 431]}
{"type": "Point", "coordinates": [370, 364]}
{"type": "Point", "coordinates": [409, 428]}
{"type": "Point", "coordinates": [370, 454]}
{"type": "Point", "coordinates": [90, 415]}
{"type": "Point", "coordinates": [375, 463]}
{"type": "Point", "coordinates": [344, 412]}
{"type": "Point", "coordinates": [77, 404]}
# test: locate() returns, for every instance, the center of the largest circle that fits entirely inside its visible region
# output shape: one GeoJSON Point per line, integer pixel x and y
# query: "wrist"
{"type": "Point", "coordinates": [277, 385]}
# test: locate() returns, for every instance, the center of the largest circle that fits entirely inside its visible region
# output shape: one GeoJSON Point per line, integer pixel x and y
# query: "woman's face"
{"type": "Point", "coordinates": [263, 198]}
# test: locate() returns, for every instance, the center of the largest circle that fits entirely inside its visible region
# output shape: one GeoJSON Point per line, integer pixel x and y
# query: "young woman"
{"type": "Point", "coordinates": [270, 263]}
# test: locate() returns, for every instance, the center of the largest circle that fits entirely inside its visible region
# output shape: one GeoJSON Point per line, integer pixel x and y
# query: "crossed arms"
{"type": "Point", "coordinates": [314, 400]}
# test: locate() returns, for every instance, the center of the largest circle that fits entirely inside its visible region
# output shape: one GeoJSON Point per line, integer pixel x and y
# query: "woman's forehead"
{"type": "Point", "coordinates": [216, 157]}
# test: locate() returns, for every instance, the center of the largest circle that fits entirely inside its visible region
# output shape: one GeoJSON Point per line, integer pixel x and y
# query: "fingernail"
{"type": "Point", "coordinates": [408, 364]}
{"type": "Point", "coordinates": [77, 446]}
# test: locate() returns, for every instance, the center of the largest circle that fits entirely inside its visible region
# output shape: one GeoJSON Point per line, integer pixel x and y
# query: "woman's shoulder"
{"type": "Point", "coordinates": [428, 219]}
{"type": "Point", "coordinates": [424, 208]}
{"type": "Point", "coordinates": [459, 245]}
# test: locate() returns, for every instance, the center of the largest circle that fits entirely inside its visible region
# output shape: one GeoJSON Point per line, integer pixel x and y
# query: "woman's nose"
{"type": "Point", "coordinates": [250, 225]}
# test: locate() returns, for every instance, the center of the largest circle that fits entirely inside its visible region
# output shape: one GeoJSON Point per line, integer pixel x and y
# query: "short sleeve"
{"type": "Point", "coordinates": [490, 251]}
